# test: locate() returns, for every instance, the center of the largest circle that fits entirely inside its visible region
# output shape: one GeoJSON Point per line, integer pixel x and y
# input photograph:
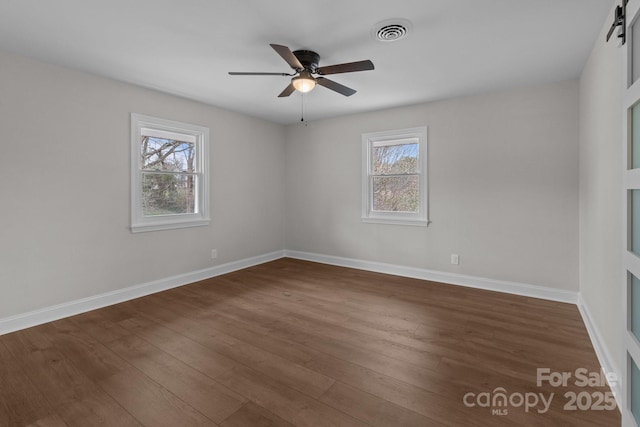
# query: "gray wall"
{"type": "Point", "coordinates": [65, 187]}
{"type": "Point", "coordinates": [601, 192]}
{"type": "Point", "coordinates": [503, 184]}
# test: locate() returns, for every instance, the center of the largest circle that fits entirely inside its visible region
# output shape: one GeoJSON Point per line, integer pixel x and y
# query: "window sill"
{"type": "Point", "coordinates": [156, 226]}
{"type": "Point", "coordinates": [397, 221]}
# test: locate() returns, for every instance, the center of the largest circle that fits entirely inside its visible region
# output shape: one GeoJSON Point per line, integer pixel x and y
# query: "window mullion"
{"type": "Point", "coordinates": [157, 172]}
{"type": "Point", "coordinates": [392, 175]}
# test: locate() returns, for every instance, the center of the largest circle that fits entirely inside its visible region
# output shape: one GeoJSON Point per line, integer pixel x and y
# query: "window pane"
{"type": "Point", "coordinates": [635, 137]}
{"type": "Point", "coordinates": [634, 203]}
{"type": "Point", "coordinates": [396, 193]}
{"type": "Point", "coordinates": [635, 51]}
{"type": "Point", "coordinates": [166, 194]}
{"type": "Point", "coordinates": [395, 159]}
{"type": "Point", "coordinates": [167, 155]}
{"type": "Point", "coordinates": [634, 298]}
{"type": "Point", "coordinates": [635, 391]}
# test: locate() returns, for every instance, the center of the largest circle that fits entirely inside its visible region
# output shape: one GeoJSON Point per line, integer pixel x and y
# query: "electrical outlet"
{"type": "Point", "coordinates": [214, 253]}
{"type": "Point", "coordinates": [455, 259]}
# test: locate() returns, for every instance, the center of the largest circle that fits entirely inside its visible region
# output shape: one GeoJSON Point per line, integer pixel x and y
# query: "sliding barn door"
{"type": "Point", "coordinates": [631, 208]}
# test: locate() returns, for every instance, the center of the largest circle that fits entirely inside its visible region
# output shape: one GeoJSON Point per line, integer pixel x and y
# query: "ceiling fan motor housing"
{"type": "Point", "coordinates": [308, 58]}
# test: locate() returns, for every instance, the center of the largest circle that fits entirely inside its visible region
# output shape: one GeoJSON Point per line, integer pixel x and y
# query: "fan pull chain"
{"type": "Point", "coordinates": [302, 107]}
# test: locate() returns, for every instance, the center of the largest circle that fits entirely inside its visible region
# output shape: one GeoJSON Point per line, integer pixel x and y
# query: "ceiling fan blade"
{"type": "Point", "coordinates": [287, 91]}
{"type": "Point", "coordinates": [349, 67]}
{"type": "Point", "coordinates": [288, 56]}
{"type": "Point", "coordinates": [242, 73]}
{"type": "Point", "coordinates": [330, 84]}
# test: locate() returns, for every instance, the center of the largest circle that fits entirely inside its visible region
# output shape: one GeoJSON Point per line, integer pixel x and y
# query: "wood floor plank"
{"type": "Point", "coordinates": [77, 399]}
{"type": "Point", "coordinates": [372, 410]}
{"type": "Point", "coordinates": [440, 404]}
{"type": "Point", "coordinates": [57, 377]}
{"type": "Point", "coordinates": [183, 348]}
{"type": "Point", "coordinates": [150, 403]}
{"type": "Point", "coordinates": [102, 324]}
{"type": "Point", "coordinates": [92, 357]}
{"type": "Point", "coordinates": [50, 421]}
{"type": "Point", "coordinates": [252, 415]}
{"type": "Point", "coordinates": [293, 375]}
{"type": "Point", "coordinates": [288, 404]}
{"type": "Point", "coordinates": [96, 409]}
{"type": "Point", "coordinates": [259, 336]}
{"type": "Point", "coordinates": [280, 400]}
{"type": "Point", "coordinates": [318, 414]}
{"type": "Point", "coordinates": [21, 403]}
{"type": "Point", "coordinates": [203, 393]}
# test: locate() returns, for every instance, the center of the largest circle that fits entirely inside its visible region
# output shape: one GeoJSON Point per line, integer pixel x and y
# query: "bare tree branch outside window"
{"type": "Point", "coordinates": [168, 176]}
{"type": "Point", "coordinates": [396, 185]}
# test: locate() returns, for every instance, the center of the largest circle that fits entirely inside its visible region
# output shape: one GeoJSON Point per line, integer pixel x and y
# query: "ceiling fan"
{"type": "Point", "coordinates": [305, 64]}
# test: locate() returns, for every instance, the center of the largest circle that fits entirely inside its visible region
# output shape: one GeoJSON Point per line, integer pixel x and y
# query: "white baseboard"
{"type": "Point", "coordinates": [443, 277]}
{"type": "Point", "coordinates": [49, 314]}
{"type": "Point", "coordinates": [603, 354]}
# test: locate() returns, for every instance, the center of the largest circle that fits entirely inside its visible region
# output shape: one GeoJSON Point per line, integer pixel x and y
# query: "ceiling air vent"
{"type": "Point", "coordinates": [391, 30]}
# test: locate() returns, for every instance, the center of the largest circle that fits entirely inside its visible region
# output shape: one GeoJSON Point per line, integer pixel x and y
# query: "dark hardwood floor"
{"type": "Point", "coordinates": [294, 343]}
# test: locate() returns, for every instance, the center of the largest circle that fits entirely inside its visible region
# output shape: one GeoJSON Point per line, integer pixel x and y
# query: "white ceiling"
{"type": "Point", "coordinates": [186, 47]}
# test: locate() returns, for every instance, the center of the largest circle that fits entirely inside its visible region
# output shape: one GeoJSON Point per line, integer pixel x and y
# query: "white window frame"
{"type": "Point", "coordinates": [376, 139]}
{"type": "Point", "coordinates": [141, 124]}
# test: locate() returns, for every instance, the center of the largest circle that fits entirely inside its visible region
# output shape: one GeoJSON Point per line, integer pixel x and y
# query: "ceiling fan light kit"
{"type": "Point", "coordinates": [306, 68]}
{"type": "Point", "coordinates": [304, 82]}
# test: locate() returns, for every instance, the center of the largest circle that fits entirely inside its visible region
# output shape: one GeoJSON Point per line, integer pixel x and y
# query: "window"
{"type": "Point", "coordinates": [394, 177]}
{"type": "Point", "coordinates": [169, 174]}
